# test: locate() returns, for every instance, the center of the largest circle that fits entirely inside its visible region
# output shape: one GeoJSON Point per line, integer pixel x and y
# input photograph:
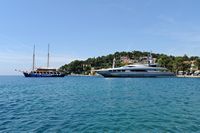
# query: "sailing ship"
{"type": "Point", "coordinates": [43, 71]}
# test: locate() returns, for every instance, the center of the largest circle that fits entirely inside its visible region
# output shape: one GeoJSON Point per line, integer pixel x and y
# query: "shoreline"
{"type": "Point", "coordinates": [187, 76]}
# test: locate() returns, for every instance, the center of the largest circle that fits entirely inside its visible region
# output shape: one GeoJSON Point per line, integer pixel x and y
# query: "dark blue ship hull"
{"type": "Point", "coordinates": [42, 75]}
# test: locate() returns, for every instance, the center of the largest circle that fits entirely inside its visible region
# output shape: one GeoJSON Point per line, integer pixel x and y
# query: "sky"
{"type": "Point", "coordinates": [79, 29]}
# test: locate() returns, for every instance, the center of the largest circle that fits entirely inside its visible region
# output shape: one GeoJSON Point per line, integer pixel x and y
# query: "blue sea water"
{"type": "Point", "coordinates": [94, 104]}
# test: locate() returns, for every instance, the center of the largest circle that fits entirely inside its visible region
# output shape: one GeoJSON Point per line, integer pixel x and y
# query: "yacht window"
{"type": "Point", "coordinates": [152, 70]}
{"type": "Point", "coordinates": [164, 70]}
{"type": "Point", "coordinates": [138, 71]}
{"type": "Point", "coordinates": [152, 65]}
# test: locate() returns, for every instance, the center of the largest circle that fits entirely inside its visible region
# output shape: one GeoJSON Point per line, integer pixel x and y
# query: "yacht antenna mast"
{"type": "Point", "coordinates": [113, 66]}
{"type": "Point", "coordinates": [150, 59]}
{"type": "Point", "coordinates": [48, 57]}
{"type": "Point", "coordinates": [33, 58]}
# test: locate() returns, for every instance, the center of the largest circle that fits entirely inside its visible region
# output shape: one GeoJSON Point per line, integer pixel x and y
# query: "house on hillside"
{"type": "Point", "coordinates": [126, 60]}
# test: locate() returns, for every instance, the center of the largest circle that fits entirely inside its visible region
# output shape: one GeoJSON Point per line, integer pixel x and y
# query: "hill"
{"type": "Point", "coordinates": [173, 63]}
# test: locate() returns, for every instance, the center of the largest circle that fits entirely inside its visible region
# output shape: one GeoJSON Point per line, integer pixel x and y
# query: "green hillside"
{"type": "Point", "coordinates": [173, 63]}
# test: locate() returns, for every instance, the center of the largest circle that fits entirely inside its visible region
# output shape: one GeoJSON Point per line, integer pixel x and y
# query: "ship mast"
{"type": "Point", "coordinates": [33, 58]}
{"type": "Point", "coordinates": [48, 57]}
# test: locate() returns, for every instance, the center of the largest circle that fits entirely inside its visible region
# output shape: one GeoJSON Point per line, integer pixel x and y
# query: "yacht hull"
{"type": "Point", "coordinates": [137, 74]}
{"type": "Point", "coordinates": [42, 75]}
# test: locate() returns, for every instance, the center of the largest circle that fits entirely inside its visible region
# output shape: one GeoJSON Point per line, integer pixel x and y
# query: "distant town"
{"type": "Point", "coordinates": [180, 65]}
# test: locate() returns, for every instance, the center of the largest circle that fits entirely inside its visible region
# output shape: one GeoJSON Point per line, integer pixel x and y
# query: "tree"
{"type": "Point", "coordinates": [181, 65]}
{"type": "Point", "coordinates": [166, 61]}
{"type": "Point", "coordinates": [197, 63]}
{"type": "Point", "coordinates": [185, 58]}
{"type": "Point", "coordinates": [178, 63]}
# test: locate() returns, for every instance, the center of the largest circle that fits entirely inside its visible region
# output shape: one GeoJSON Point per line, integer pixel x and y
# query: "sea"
{"type": "Point", "coordinates": [95, 104]}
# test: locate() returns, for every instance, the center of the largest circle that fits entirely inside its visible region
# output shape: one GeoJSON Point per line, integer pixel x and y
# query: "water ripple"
{"type": "Point", "coordinates": [89, 104]}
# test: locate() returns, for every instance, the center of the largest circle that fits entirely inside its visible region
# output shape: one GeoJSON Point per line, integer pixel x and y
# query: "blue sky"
{"type": "Point", "coordinates": [78, 29]}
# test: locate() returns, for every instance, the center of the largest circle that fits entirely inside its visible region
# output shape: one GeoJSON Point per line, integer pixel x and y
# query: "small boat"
{"type": "Point", "coordinates": [43, 71]}
{"type": "Point", "coordinates": [136, 70]}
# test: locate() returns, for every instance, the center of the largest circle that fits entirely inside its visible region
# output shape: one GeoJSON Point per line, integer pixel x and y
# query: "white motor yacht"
{"type": "Point", "coordinates": [136, 70]}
